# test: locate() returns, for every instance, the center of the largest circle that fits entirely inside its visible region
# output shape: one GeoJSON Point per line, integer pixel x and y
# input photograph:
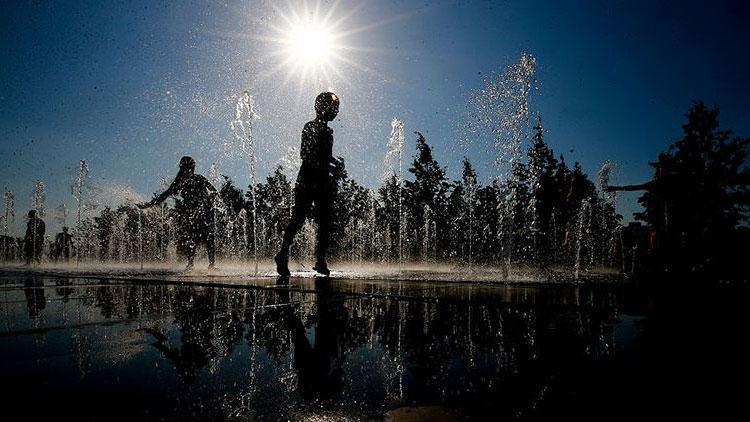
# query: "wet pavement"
{"type": "Point", "coordinates": [239, 273]}
{"type": "Point", "coordinates": [320, 349]}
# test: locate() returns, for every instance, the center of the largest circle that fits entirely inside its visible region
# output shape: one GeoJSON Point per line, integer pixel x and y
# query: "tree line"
{"type": "Point", "coordinates": [544, 212]}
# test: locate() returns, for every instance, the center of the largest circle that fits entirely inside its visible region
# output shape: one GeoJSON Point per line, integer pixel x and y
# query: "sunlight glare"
{"type": "Point", "coordinates": [309, 45]}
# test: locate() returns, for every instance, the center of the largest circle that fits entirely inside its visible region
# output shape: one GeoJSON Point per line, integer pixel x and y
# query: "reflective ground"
{"type": "Point", "coordinates": [96, 349]}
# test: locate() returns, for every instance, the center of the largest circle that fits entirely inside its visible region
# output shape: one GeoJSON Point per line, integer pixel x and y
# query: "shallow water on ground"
{"type": "Point", "coordinates": [98, 349]}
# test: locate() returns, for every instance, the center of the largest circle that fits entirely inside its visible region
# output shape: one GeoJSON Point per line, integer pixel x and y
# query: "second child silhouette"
{"type": "Point", "coordinates": [314, 184]}
{"type": "Point", "coordinates": [63, 245]}
{"type": "Point", "coordinates": [196, 214]}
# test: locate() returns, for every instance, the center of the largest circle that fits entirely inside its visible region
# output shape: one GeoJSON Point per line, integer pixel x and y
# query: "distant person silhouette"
{"type": "Point", "coordinates": [34, 239]}
{"type": "Point", "coordinates": [195, 212]}
{"type": "Point", "coordinates": [63, 245]}
{"type": "Point", "coordinates": [314, 184]}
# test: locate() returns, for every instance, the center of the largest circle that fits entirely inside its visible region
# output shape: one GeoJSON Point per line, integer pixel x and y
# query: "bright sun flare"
{"type": "Point", "coordinates": [310, 45]}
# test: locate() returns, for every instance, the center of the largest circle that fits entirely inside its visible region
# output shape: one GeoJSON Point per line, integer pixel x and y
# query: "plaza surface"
{"type": "Point", "coordinates": [127, 348]}
{"type": "Point", "coordinates": [243, 273]}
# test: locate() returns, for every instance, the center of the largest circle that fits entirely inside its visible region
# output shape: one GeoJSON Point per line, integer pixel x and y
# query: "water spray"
{"type": "Point", "coordinates": [396, 149]}
{"type": "Point", "coordinates": [37, 204]}
{"type": "Point", "coordinates": [242, 128]}
{"type": "Point", "coordinates": [502, 109]}
{"type": "Point", "coordinates": [9, 214]}
{"type": "Point", "coordinates": [83, 171]}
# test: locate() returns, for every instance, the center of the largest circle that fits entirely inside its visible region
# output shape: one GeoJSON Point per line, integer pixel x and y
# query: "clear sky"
{"type": "Point", "coordinates": [131, 86]}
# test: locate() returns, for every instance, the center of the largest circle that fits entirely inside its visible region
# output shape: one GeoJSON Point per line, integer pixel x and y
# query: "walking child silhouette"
{"type": "Point", "coordinates": [314, 184]}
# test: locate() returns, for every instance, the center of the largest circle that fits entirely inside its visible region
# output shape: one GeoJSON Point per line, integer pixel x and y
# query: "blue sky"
{"type": "Point", "coordinates": [131, 86]}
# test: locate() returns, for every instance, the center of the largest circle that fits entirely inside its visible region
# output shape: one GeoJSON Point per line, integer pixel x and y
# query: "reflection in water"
{"type": "Point", "coordinates": [35, 300]}
{"type": "Point", "coordinates": [206, 335]}
{"type": "Point", "coordinates": [318, 363]}
{"type": "Point", "coordinates": [342, 349]}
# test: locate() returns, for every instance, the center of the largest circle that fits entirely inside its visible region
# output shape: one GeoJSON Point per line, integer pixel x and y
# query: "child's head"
{"type": "Point", "coordinates": [327, 106]}
{"type": "Point", "coordinates": [187, 164]}
{"type": "Point", "coordinates": [187, 169]}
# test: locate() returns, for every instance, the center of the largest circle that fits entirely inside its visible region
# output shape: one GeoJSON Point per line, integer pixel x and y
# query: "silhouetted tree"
{"type": "Point", "coordinates": [462, 215]}
{"type": "Point", "coordinates": [488, 207]}
{"type": "Point", "coordinates": [340, 214]}
{"type": "Point", "coordinates": [542, 166]}
{"type": "Point", "coordinates": [699, 196]}
{"type": "Point", "coordinates": [426, 200]}
{"type": "Point", "coordinates": [274, 205]}
{"type": "Point", "coordinates": [231, 196]}
{"type": "Point", "coordinates": [388, 216]}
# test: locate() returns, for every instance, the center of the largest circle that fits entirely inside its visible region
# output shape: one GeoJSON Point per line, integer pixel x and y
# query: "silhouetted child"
{"type": "Point", "coordinates": [314, 184]}
{"type": "Point", "coordinates": [34, 238]}
{"type": "Point", "coordinates": [63, 245]}
{"type": "Point", "coordinates": [196, 213]}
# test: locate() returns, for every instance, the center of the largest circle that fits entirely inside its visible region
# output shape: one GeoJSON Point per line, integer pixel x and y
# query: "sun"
{"type": "Point", "coordinates": [310, 45]}
{"type": "Point", "coordinates": [309, 42]}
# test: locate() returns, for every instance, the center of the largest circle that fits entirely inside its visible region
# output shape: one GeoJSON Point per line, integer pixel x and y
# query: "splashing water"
{"type": "Point", "coordinates": [395, 147]}
{"type": "Point", "coordinates": [61, 214]}
{"type": "Point", "coordinates": [426, 230]}
{"type": "Point", "coordinates": [213, 174]}
{"type": "Point", "coordinates": [583, 235]}
{"type": "Point", "coordinates": [244, 115]}
{"type": "Point", "coordinates": [371, 223]}
{"type": "Point", "coordinates": [291, 164]}
{"type": "Point", "coordinates": [163, 224]}
{"type": "Point", "coordinates": [242, 217]}
{"type": "Point", "coordinates": [242, 127]}
{"type": "Point", "coordinates": [535, 171]}
{"type": "Point", "coordinates": [395, 151]}
{"type": "Point", "coordinates": [604, 176]}
{"type": "Point", "coordinates": [213, 177]}
{"type": "Point", "coordinates": [470, 187]}
{"type": "Point", "coordinates": [501, 108]}
{"type": "Point", "coordinates": [83, 171]}
{"type": "Point", "coordinates": [140, 236]}
{"type": "Point", "coordinates": [38, 197]}
{"type": "Point", "coordinates": [8, 215]}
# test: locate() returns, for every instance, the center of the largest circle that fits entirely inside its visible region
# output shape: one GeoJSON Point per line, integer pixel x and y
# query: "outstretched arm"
{"type": "Point", "coordinates": [628, 188]}
{"type": "Point", "coordinates": [158, 199]}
